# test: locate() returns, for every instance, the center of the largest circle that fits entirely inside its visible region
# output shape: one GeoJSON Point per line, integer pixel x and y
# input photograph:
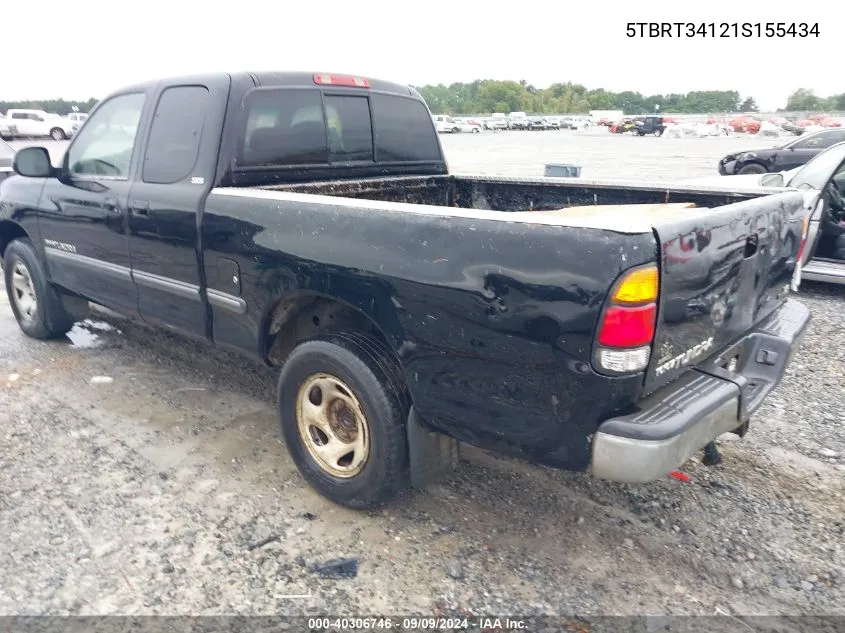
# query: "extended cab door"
{"type": "Point", "coordinates": [82, 214]}
{"type": "Point", "coordinates": [179, 164]}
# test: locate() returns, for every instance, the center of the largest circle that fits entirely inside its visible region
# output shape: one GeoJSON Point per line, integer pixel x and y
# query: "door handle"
{"type": "Point", "coordinates": [112, 204]}
{"type": "Point", "coordinates": [138, 207]}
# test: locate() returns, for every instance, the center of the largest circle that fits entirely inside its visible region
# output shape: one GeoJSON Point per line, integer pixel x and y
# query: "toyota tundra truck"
{"type": "Point", "coordinates": [310, 222]}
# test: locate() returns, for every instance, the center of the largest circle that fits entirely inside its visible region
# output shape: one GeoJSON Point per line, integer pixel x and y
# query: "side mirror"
{"type": "Point", "coordinates": [33, 162]}
{"type": "Point", "coordinates": [772, 180]}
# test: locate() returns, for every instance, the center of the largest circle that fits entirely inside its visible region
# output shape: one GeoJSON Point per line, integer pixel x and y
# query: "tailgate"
{"type": "Point", "coordinates": [722, 271]}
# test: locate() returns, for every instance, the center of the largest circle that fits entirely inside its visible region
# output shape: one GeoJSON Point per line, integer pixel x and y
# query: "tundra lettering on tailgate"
{"type": "Point", "coordinates": [686, 358]}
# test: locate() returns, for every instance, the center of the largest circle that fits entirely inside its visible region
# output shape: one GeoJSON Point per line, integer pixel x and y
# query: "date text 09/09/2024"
{"type": "Point", "coordinates": [722, 29]}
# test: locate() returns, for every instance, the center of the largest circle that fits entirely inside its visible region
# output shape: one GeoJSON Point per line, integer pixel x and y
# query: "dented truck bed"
{"type": "Point", "coordinates": [493, 289]}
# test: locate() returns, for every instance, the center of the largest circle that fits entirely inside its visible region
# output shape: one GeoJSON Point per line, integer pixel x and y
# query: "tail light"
{"type": "Point", "coordinates": [628, 323]}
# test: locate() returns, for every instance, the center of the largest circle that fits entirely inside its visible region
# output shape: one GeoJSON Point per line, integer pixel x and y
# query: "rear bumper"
{"type": "Point", "coordinates": [680, 419]}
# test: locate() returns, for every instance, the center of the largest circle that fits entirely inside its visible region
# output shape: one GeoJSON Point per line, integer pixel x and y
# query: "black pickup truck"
{"type": "Point", "coordinates": [309, 221]}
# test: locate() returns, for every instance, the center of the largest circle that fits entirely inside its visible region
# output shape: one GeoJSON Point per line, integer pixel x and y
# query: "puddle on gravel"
{"type": "Point", "coordinates": [86, 334]}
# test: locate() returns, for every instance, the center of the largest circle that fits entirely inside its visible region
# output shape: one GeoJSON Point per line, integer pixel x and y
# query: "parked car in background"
{"type": "Point", "coordinates": [537, 123]}
{"type": "Point", "coordinates": [497, 121]}
{"type": "Point", "coordinates": [623, 126]}
{"type": "Point", "coordinates": [822, 180]}
{"type": "Point", "coordinates": [77, 119]}
{"type": "Point", "coordinates": [518, 121]}
{"type": "Point", "coordinates": [469, 125]}
{"type": "Point", "coordinates": [446, 124]}
{"type": "Point", "coordinates": [793, 153]}
{"type": "Point", "coordinates": [36, 123]}
{"type": "Point", "coordinates": [649, 124]}
{"type": "Point", "coordinates": [580, 122]}
{"type": "Point", "coordinates": [745, 123]}
{"type": "Point", "coordinates": [7, 157]}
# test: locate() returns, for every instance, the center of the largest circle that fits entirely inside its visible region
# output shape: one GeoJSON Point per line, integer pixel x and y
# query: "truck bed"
{"type": "Point", "coordinates": [569, 202]}
{"type": "Point", "coordinates": [725, 258]}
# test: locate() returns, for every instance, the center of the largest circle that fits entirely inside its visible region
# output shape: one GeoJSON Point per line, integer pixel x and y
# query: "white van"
{"type": "Point", "coordinates": [446, 124]}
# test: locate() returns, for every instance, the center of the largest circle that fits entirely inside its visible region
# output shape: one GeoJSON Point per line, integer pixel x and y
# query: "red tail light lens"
{"type": "Point", "coordinates": [624, 326]}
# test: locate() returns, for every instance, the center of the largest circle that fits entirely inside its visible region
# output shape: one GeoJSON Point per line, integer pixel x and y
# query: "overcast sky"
{"type": "Point", "coordinates": [86, 49]}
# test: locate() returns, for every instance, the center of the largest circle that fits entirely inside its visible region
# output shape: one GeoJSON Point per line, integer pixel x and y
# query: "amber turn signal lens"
{"type": "Point", "coordinates": [637, 286]}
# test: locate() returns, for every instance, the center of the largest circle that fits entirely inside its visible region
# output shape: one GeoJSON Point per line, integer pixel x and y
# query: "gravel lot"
{"type": "Point", "coordinates": [145, 495]}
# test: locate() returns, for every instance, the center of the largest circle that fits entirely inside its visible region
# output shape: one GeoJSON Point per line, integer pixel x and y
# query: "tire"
{"type": "Point", "coordinates": [369, 373]}
{"type": "Point", "coordinates": [37, 307]}
{"type": "Point", "coordinates": [476, 130]}
{"type": "Point", "coordinates": [752, 168]}
{"type": "Point", "coordinates": [58, 134]}
{"type": "Point", "coordinates": [455, 130]}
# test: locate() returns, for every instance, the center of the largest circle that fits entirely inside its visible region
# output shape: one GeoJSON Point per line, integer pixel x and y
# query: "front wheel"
{"type": "Point", "coordinates": [343, 408]}
{"type": "Point", "coordinates": [37, 307]}
{"type": "Point", "coordinates": [58, 134]}
{"type": "Point", "coordinates": [752, 168]}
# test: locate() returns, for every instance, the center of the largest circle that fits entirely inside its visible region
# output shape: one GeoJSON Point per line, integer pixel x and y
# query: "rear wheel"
{"type": "Point", "coordinates": [752, 168]}
{"type": "Point", "coordinates": [343, 408]}
{"type": "Point", "coordinates": [58, 134]}
{"type": "Point", "coordinates": [37, 307]}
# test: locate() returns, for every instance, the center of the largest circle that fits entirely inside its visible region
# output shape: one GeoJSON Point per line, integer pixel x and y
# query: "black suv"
{"type": "Point", "coordinates": [650, 124]}
{"type": "Point", "coordinates": [789, 155]}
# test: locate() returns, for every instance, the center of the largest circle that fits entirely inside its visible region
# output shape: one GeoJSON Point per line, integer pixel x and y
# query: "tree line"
{"type": "Point", "coordinates": [54, 106]}
{"type": "Point", "coordinates": [563, 98]}
{"type": "Point", "coordinates": [484, 96]}
{"type": "Point", "coordinates": [803, 100]}
{"type": "Point", "coordinates": [489, 95]}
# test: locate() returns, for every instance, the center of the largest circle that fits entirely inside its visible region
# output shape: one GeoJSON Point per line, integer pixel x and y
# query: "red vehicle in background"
{"type": "Point", "coordinates": [745, 123]}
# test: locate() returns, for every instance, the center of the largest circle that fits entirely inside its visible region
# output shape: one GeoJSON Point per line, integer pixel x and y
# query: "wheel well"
{"type": "Point", "coordinates": [303, 316]}
{"type": "Point", "coordinates": [9, 231]}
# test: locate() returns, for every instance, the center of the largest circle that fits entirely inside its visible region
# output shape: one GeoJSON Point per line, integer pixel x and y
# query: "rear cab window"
{"type": "Point", "coordinates": [298, 127]}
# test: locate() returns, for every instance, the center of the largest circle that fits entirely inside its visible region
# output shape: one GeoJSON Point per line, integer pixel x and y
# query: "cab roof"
{"type": "Point", "coordinates": [272, 78]}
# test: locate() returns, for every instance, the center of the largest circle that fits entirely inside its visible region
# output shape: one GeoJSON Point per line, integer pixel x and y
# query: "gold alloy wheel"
{"type": "Point", "coordinates": [332, 425]}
